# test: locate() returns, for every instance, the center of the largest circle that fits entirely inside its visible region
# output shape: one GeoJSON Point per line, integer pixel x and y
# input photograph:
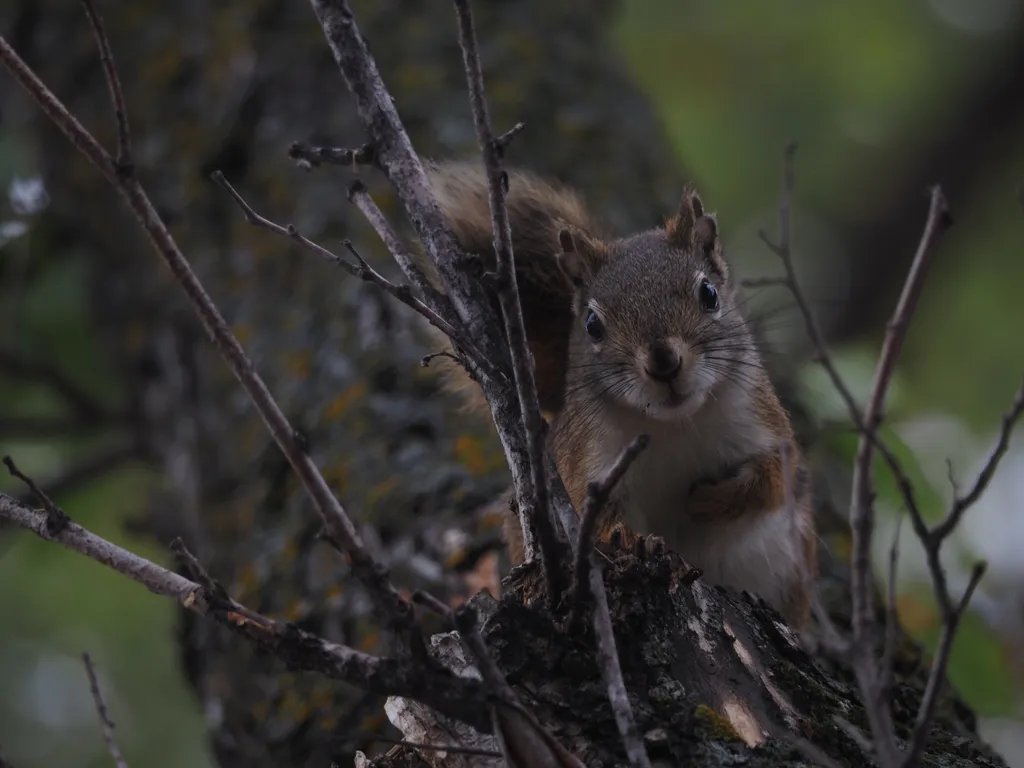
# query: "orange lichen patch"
{"type": "Point", "coordinates": [243, 333]}
{"type": "Point", "coordinates": [261, 709]}
{"type": "Point", "coordinates": [718, 726]}
{"type": "Point", "coordinates": [485, 576]}
{"type": "Point", "coordinates": [336, 474]}
{"type": "Point", "coordinates": [248, 581]}
{"type": "Point", "coordinates": [288, 552]}
{"type": "Point", "coordinates": [916, 614]}
{"type": "Point", "coordinates": [244, 516]}
{"type": "Point", "coordinates": [299, 363]}
{"type": "Point", "coordinates": [135, 337]}
{"type": "Point", "coordinates": [493, 516]}
{"type": "Point", "coordinates": [382, 489]}
{"type": "Point", "coordinates": [296, 610]}
{"type": "Point", "coordinates": [333, 592]}
{"type": "Point", "coordinates": [473, 454]}
{"type": "Point", "coordinates": [841, 545]}
{"type": "Point", "coordinates": [321, 698]}
{"type": "Point", "coordinates": [344, 401]}
{"type": "Point", "coordinates": [293, 706]}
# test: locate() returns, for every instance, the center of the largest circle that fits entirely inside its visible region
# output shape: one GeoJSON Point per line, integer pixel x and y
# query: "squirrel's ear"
{"type": "Point", "coordinates": [692, 229]}
{"type": "Point", "coordinates": [581, 256]}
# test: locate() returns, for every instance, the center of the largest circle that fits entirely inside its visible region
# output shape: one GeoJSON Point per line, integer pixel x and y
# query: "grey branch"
{"type": "Point", "coordinates": [457, 697]}
{"type": "Point", "coordinates": [533, 495]}
{"type": "Point", "coordinates": [101, 709]}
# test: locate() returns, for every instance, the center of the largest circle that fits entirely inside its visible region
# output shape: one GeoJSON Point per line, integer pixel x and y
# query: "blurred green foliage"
{"type": "Point", "coordinates": [860, 87]}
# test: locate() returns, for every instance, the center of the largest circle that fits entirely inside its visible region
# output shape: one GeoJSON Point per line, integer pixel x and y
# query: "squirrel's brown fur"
{"type": "Point", "coordinates": [538, 211]}
{"type": "Point", "coordinates": [644, 334]}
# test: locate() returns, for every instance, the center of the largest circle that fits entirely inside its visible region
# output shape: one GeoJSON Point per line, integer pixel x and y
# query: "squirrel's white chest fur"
{"type": "Point", "coordinates": [760, 551]}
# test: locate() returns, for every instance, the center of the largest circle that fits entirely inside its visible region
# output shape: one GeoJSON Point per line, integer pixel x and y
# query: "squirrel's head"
{"type": "Point", "coordinates": [657, 327]}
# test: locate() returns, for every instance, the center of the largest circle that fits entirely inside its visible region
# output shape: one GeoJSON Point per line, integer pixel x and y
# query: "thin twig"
{"type": "Point", "coordinates": [437, 747]}
{"type": "Point", "coordinates": [862, 510]}
{"type": "Point", "coordinates": [885, 665]}
{"type": "Point", "coordinates": [125, 162]}
{"type": "Point", "coordinates": [862, 515]}
{"type": "Point", "coordinates": [461, 698]}
{"type": "Point", "coordinates": [56, 518]}
{"type": "Point", "coordinates": [598, 493]}
{"type": "Point", "coordinates": [963, 503]}
{"type": "Point", "coordinates": [360, 197]}
{"type": "Point", "coordinates": [101, 708]}
{"type": "Point", "coordinates": [533, 495]}
{"type": "Point", "coordinates": [611, 671]}
{"type": "Point", "coordinates": [784, 250]}
{"type": "Point", "coordinates": [502, 142]}
{"type": "Point", "coordinates": [340, 530]}
{"type": "Point", "coordinates": [937, 675]}
{"type": "Point", "coordinates": [362, 270]}
{"type": "Point", "coordinates": [589, 588]}
{"type": "Point", "coordinates": [522, 737]}
{"type": "Point", "coordinates": [92, 468]}
{"type": "Point", "coordinates": [310, 156]}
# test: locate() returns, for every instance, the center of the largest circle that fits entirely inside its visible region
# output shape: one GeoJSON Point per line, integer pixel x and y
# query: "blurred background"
{"type": "Point", "coordinates": [883, 99]}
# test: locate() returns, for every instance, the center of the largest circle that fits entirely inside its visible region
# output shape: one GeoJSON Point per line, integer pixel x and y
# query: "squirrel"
{"type": "Point", "coordinates": [644, 335]}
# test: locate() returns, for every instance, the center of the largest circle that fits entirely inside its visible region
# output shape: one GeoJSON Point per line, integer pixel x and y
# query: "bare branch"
{"type": "Point", "coordinates": [340, 530]}
{"type": "Point", "coordinates": [862, 513]}
{"type": "Point", "coordinates": [533, 495]}
{"type": "Point", "coordinates": [362, 270]}
{"type": "Point", "coordinates": [309, 156]}
{"type": "Point", "coordinates": [101, 709]}
{"type": "Point", "coordinates": [937, 675]}
{"type": "Point", "coordinates": [523, 739]}
{"type": "Point", "coordinates": [360, 197]}
{"type": "Point", "coordinates": [962, 504]}
{"type": "Point", "coordinates": [784, 250]}
{"type": "Point", "coordinates": [125, 163]}
{"type": "Point", "coordinates": [611, 671]}
{"type": "Point", "coordinates": [455, 750]}
{"type": "Point", "coordinates": [91, 468]}
{"type": "Point", "coordinates": [885, 666]}
{"type": "Point", "coordinates": [456, 697]}
{"type": "Point", "coordinates": [597, 496]}
{"type": "Point", "coordinates": [56, 518]}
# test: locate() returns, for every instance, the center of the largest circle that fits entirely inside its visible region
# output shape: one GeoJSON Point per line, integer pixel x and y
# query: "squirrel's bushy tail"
{"type": "Point", "coordinates": [538, 211]}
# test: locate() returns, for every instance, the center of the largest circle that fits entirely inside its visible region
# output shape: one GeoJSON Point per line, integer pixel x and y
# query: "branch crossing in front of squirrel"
{"type": "Point", "coordinates": [644, 335]}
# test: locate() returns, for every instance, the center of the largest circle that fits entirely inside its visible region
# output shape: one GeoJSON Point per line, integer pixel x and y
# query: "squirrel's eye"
{"type": "Point", "coordinates": [593, 325]}
{"type": "Point", "coordinates": [707, 294]}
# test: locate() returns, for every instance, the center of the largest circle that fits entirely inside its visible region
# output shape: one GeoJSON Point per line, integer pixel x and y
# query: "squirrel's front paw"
{"type": "Point", "coordinates": [642, 546]}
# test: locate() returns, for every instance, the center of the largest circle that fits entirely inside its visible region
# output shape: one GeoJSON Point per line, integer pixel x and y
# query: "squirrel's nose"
{"type": "Point", "coordinates": [663, 362]}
